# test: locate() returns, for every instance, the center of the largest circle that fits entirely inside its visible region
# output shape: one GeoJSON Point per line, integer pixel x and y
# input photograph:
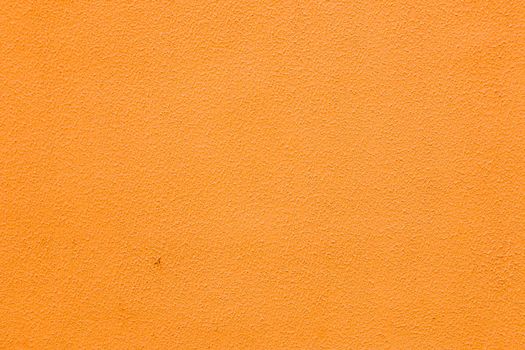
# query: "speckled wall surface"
{"type": "Point", "coordinates": [262, 174]}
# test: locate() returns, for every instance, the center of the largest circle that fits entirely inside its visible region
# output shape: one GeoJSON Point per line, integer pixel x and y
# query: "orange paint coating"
{"type": "Point", "coordinates": [262, 175]}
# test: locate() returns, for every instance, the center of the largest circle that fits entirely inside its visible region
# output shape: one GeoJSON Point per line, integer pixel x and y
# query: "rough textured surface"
{"type": "Point", "coordinates": [262, 174]}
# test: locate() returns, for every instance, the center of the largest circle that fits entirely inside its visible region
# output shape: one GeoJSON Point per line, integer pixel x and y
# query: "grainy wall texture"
{"type": "Point", "coordinates": [262, 174]}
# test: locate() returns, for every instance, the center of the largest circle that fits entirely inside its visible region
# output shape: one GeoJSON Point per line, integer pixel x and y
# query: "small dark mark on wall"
{"type": "Point", "coordinates": [157, 262]}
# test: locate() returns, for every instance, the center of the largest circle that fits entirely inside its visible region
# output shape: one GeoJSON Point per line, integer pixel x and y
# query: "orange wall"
{"type": "Point", "coordinates": [262, 174]}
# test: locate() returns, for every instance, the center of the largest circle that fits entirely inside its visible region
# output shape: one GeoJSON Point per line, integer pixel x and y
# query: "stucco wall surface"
{"type": "Point", "coordinates": [262, 174]}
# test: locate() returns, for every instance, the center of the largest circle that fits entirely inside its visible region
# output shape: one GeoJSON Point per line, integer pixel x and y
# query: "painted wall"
{"type": "Point", "coordinates": [262, 174]}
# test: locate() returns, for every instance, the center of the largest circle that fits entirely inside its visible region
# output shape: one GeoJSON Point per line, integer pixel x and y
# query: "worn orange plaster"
{"type": "Point", "coordinates": [262, 174]}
